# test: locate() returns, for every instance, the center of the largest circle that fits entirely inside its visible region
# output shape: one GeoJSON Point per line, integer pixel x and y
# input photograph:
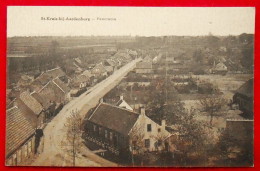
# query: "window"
{"type": "Point", "coordinates": [149, 127]}
{"type": "Point", "coordinates": [147, 143]}
{"type": "Point", "coordinates": [94, 128]}
{"type": "Point", "coordinates": [159, 129]}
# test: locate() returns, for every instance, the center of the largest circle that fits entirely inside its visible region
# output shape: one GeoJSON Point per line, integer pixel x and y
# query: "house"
{"type": "Point", "coordinates": [53, 73]}
{"type": "Point", "coordinates": [109, 69]}
{"type": "Point", "coordinates": [157, 58]}
{"type": "Point", "coordinates": [47, 76]}
{"type": "Point", "coordinates": [31, 108]}
{"type": "Point", "coordinates": [99, 70]}
{"type": "Point", "coordinates": [78, 61]}
{"type": "Point", "coordinates": [48, 106]}
{"type": "Point", "coordinates": [77, 69]}
{"type": "Point", "coordinates": [144, 67]}
{"type": "Point", "coordinates": [244, 97]}
{"type": "Point", "coordinates": [87, 73]}
{"type": "Point", "coordinates": [147, 59]}
{"type": "Point", "coordinates": [24, 81]}
{"type": "Point", "coordinates": [122, 103]}
{"type": "Point", "coordinates": [56, 91]}
{"type": "Point", "coordinates": [22, 139]}
{"type": "Point", "coordinates": [220, 68]}
{"type": "Point", "coordinates": [116, 129]}
{"type": "Point", "coordinates": [80, 82]}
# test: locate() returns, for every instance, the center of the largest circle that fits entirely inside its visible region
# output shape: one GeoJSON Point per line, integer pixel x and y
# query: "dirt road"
{"type": "Point", "coordinates": [54, 133]}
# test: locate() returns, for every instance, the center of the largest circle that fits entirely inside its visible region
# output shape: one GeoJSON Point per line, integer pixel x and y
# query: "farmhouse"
{"type": "Point", "coordinates": [115, 129]}
{"type": "Point", "coordinates": [244, 97]}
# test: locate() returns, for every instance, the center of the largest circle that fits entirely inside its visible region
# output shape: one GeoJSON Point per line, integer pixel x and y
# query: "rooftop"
{"type": "Point", "coordinates": [18, 129]}
{"type": "Point", "coordinates": [115, 118]}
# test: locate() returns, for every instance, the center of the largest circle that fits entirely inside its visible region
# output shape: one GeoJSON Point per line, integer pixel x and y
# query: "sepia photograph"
{"type": "Point", "coordinates": [130, 86]}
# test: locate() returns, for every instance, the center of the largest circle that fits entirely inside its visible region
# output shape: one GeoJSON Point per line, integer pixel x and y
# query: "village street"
{"type": "Point", "coordinates": [54, 133]}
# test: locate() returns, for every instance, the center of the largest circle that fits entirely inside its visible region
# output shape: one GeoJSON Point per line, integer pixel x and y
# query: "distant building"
{"type": "Point", "coordinates": [80, 82]}
{"type": "Point", "coordinates": [144, 68]}
{"type": "Point", "coordinates": [244, 97]}
{"type": "Point", "coordinates": [147, 59]}
{"type": "Point", "coordinates": [99, 70]}
{"type": "Point", "coordinates": [220, 68]}
{"type": "Point", "coordinates": [122, 103]}
{"type": "Point", "coordinates": [56, 91]}
{"type": "Point", "coordinates": [157, 59]}
{"type": "Point", "coordinates": [113, 128]}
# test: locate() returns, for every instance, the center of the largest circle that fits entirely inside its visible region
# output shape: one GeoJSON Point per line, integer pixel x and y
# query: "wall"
{"type": "Point", "coordinates": [154, 134]}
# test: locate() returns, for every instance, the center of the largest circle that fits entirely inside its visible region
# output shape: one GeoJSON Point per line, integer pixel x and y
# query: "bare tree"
{"type": "Point", "coordinates": [73, 136]}
{"type": "Point", "coordinates": [212, 106]}
{"type": "Point", "coordinates": [136, 137]}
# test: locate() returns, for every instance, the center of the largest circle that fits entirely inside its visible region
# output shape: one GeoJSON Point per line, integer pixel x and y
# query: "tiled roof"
{"type": "Point", "coordinates": [44, 102]}
{"type": "Point", "coordinates": [56, 72]}
{"type": "Point", "coordinates": [79, 79]}
{"type": "Point", "coordinates": [55, 90]}
{"type": "Point", "coordinates": [18, 129]}
{"type": "Point", "coordinates": [61, 85]}
{"type": "Point", "coordinates": [111, 62]}
{"type": "Point", "coordinates": [49, 75]}
{"type": "Point", "coordinates": [31, 102]}
{"type": "Point", "coordinates": [247, 88]}
{"type": "Point", "coordinates": [115, 118]}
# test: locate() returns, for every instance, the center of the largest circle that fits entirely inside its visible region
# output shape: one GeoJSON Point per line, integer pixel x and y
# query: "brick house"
{"type": "Point", "coordinates": [111, 128]}
{"type": "Point", "coordinates": [20, 138]}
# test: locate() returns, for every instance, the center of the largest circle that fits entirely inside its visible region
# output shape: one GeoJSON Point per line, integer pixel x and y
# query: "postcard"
{"type": "Point", "coordinates": [130, 86]}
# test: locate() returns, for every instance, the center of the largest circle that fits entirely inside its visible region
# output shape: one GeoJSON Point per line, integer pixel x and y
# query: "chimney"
{"type": "Point", "coordinates": [163, 124]}
{"type": "Point", "coordinates": [121, 97]}
{"type": "Point", "coordinates": [101, 100]}
{"type": "Point", "coordinates": [142, 111]}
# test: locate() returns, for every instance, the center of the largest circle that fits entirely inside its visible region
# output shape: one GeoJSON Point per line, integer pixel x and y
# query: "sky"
{"type": "Point", "coordinates": [141, 21]}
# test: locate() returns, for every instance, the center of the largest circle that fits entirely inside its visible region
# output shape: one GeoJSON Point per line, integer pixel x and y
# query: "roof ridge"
{"type": "Point", "coordinates": [58, 86]}
{"type": "Point", "coordinates": [44, 86]}
{"type": "Point", "coordinates": [94, 111]}
{"type": "Point", "coordinates": [52, 69]}
{"type": "Point", "coordinates": [11, 108]}
{"type": "Point", "coordinates": [120, 108]}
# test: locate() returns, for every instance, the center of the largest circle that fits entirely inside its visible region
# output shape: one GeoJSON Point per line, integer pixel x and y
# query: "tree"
{"type": "Point", "coordinates": [73, 135]}
{"type": "Point", "coordinates": [136, 137]}
{"type": "Point", "coordinates": [198, 56]}
{"type": "Point", "coordinates": [212, 106]}
{"type": "Point", "coordinates": [192, 136]}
